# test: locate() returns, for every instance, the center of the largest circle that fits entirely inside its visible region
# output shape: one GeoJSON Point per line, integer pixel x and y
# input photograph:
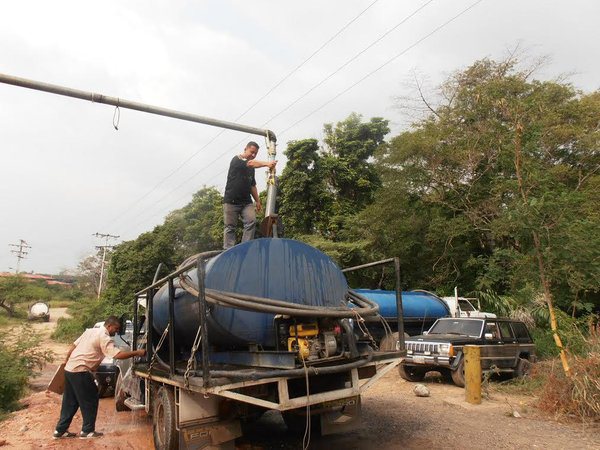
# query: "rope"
{"type": "Point", "coordinates": [160, 343]}
{"type": "Point", "coordinates": [190, 363]}
{"type": "Point", "coordinates": [307, 429]}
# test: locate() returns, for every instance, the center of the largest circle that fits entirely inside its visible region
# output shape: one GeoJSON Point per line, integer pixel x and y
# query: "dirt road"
{"type": "Point", "coordinates": [393, 417]}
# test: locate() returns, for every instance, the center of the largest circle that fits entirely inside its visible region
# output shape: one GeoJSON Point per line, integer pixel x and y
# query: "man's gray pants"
{"type": "Point", "coordinates": [231, 213]}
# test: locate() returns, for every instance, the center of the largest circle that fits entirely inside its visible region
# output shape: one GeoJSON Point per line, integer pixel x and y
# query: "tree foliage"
{"type": "Point", "coordinates": [469, 188]}
{"type": "Point", "coordinates": [323, 187]}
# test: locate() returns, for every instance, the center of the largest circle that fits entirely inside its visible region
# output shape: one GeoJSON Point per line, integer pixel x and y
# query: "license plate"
{"type": "Point", "coordinates": [419, 359]}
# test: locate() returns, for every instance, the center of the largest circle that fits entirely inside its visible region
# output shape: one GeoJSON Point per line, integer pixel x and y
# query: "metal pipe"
{"type": "Point", "coordinates": [121, 103]}
{"type": "Point", "coordinates": [203, 323]}
{"type": "Point", "coordinates": [171, 327]}
{"type": "Point", "coordinates": [399, 308]}
{"type": "Point", "coordinates": [271, 180]}
{"type": "Point", "coordinates": [372, 264]}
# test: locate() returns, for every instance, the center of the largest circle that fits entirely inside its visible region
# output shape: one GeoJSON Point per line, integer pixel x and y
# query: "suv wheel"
{"type": "Point", "coordinates": [458, 375]}
{"type": "Point", "coordinates": [523, 368]}
{"type": "Point", "coordinates": [412, 373]}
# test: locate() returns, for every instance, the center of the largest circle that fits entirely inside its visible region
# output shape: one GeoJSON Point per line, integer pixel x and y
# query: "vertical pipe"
{"type": "Point", "coordinates": [271, 181]}
{"type": "Point", "coordinates": [472, 374]}
{"type": "Point", "coordinates": [135, 323]}
{"type": "Point", "coordinates": [171, 327]}
{"type": "Point", "coordinates": [400, 311]}
{"type": "Point", "coordinates": [150, 327]}
{"type": "Point", "coordinates": [203, 323]}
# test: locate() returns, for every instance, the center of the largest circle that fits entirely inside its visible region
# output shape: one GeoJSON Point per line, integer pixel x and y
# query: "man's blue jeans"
{"type": "Point", "coordinates": [231, 213]}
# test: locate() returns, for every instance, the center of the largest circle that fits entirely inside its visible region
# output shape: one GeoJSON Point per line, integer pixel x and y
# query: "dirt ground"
{"type": "Point", "coordinates": [393, 417]}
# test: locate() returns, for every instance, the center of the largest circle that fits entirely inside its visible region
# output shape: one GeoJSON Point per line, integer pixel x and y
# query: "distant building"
{"type": "Point", "coordinates": [49, 279]}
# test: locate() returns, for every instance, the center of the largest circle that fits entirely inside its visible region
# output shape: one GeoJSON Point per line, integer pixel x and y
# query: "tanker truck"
{"type": "Point", "coordinates": [269, 324]}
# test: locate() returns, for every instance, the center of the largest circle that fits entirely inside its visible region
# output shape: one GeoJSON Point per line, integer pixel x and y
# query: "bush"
{"type": "Point", "coordinates": [20, 357]}
{"type": "Point", "coordinates": [84, 314]}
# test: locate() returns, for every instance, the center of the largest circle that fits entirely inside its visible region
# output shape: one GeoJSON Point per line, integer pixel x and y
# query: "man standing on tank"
{"type": "Point", "coordinates": [239, 192]}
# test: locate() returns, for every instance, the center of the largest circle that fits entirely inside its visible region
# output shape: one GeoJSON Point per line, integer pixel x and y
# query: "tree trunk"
{"type": "Point", "coordinates": [539, 253]}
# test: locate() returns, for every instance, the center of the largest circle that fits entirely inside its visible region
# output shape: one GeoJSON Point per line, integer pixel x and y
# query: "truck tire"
{"type": "Point", "coordinates": [412, 373]}
{"type": "Point", "coordinates": [458, 375]}
{"type": "Point", "coordinates": [296, 422]}
{"type": "Point", "coordinates": [120, 395]}
{"type": "Point", "coordinates": [164, 426]}
{"type": "Point", "coordinates": [523, 368]}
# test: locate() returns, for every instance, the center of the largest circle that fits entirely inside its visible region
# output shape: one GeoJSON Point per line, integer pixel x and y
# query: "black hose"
{"type": "Point", "coordinates": [365, 308]}
{"type": "Point", "coordinates": [257, 375]}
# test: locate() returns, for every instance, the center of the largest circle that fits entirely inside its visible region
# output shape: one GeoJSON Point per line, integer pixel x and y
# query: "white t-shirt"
{"type": "Point", "coordinates": [90, 349]}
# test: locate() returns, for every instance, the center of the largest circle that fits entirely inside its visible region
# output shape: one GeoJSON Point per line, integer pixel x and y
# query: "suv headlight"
{"type": "Point", "coordinates": [446, 350]}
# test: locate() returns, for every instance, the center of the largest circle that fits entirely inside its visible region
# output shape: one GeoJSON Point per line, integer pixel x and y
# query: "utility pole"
{"type": "Point", "coordinates": [21, 252]}
{"type": "Point", "coordinates": [104, 247]}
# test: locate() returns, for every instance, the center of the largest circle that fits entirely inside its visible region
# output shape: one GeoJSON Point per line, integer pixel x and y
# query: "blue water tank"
{"type": "Point", "coordinates": [281, 269]}
{"type": "Point", "coordinates": [415, 305]}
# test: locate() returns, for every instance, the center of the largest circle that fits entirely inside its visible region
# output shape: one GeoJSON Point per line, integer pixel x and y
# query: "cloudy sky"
{"type": "Point", "coordinates": [66, 173]}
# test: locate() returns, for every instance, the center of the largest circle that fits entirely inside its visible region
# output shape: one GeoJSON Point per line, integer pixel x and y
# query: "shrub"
{"type": "Point", "coordinates": [577, 395]}
{"type": "Point", "coordinates": [20, 357]}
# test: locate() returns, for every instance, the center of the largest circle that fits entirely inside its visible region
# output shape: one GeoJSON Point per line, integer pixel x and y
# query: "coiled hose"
{"type": "Point", "coordinates": [364, 306]}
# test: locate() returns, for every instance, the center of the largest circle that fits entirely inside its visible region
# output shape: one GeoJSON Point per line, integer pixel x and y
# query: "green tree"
{"type": "Point", "coordinates": [505, 175]}
{"type": "Point", "coordinates": [304, 196]}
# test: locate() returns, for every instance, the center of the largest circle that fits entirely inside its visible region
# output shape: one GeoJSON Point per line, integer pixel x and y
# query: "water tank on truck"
{"type": "Point", "coordinates": [421, 310]}
{"type": "Point", "coordinates": [281, 269]}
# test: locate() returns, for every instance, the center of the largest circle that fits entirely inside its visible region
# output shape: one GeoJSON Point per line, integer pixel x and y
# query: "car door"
{"type": "Point", "coordinates": [491, 350]}
{"type": "Point", "coordinates": [509, 351]}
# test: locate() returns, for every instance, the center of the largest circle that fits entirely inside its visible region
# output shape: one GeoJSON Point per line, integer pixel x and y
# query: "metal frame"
{"type": "Point", "coordinates": [285, 403]}
{"type": "Point", "coordinates": [400, 311]}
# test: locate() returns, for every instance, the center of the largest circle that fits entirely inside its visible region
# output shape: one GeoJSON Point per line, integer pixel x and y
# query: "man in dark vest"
{"type": "Point", "coordinates": [239, 192]}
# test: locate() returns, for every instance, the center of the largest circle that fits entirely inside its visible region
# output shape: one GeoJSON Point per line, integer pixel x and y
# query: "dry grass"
{"type": "Point", "coordinates": [577, 396]}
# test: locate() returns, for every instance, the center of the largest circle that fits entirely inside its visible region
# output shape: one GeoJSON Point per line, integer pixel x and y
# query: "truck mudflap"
{"type": "Point", "coordinates": [219, 435]}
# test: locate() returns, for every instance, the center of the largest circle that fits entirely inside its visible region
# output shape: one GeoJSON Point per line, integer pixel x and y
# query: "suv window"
{"type": "Point", "coordinates": [506, 330]}
{"type": "Point", "coordinates": [521, 332]}
{"type": "Point", "coordinates": [492, 328]}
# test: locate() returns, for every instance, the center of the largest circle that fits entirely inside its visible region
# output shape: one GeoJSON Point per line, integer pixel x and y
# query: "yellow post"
{"type": "Point", "coordinates": [472, 374]}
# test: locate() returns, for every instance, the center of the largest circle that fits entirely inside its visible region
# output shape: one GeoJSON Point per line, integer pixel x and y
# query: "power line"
{"type": "Point", "coordinates": [382, 36]}
{"type": "Point", "coordinates": [435, 30]}
{"type": "Point", "coordinates": [271, 90]}
{"type": "Point", "coordinates": [349, 61]}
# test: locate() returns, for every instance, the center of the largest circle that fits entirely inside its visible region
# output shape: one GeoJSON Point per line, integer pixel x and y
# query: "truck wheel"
{"type": "Point", "coordinates": [458, 375]}
{"type": "Point", "coordinates": [296, 422]}
{"type": "Point", "coordinates": [164, 427]}
{"type": "Point", "coordinates": [412, 373]}
{"type": "Point", "coordinates": [120, 395]}
{"type": "Point", "coordinates": [523, 368]}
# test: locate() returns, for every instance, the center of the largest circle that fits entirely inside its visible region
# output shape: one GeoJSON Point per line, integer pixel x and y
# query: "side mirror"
{"type": "Point", "coordinates": [122, 325]}
{"type": "Point", "coordinates": [488, 335]}
{"type": "Point", "coordinates": [142, 321]}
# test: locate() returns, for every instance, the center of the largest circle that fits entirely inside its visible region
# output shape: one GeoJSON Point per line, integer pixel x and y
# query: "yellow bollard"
{"type": "Point", "coordinates": [472, 374]}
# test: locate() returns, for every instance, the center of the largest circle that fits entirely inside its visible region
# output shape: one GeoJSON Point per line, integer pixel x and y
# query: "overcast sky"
{"type": "Point", "coordinates": [66, 173]}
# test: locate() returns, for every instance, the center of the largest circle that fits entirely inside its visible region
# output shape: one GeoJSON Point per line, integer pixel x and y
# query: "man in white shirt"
{"type": "Point", "coordinates": [84, 357]}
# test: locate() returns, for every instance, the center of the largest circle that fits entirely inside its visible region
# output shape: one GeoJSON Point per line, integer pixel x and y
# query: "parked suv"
{"type": "Point", "coordinates": [506, 346]}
